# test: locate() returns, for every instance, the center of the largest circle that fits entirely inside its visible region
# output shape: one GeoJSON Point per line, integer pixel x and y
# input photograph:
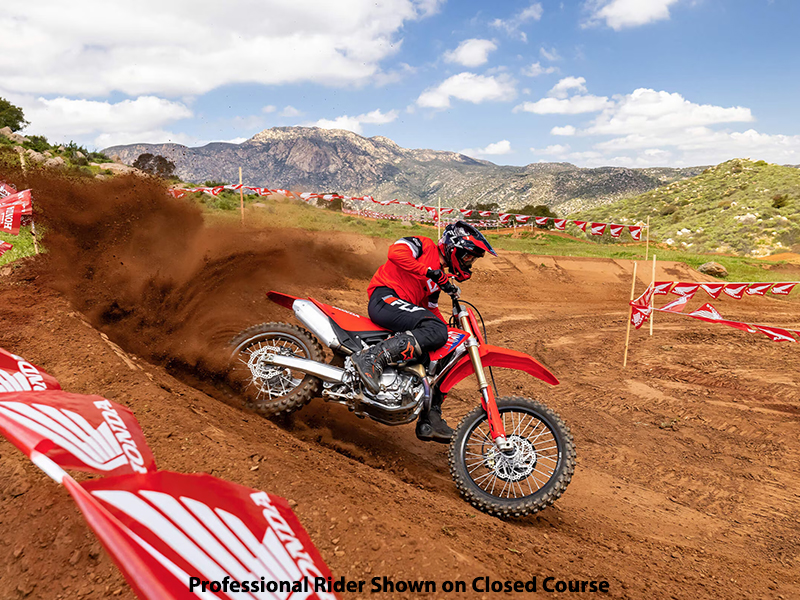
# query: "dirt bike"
{"type": "Point", "coordinates": [510, 456]}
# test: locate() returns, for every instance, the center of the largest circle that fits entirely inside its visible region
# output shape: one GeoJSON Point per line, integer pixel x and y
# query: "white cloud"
{"type": "Point", "coordinates": [64, 118]}
{"type": "Point", "coordinates": [511, 26]}
{"type": "Point", "coordinates": [470, 88]}
{"type": "Point", "coordinates": [569, 84]}
{"type": "Point", "coordinates": [354, 124]}
{"type": "Point", "coordinates": [646, 111]}
{"type": "Point", "coordinates": [536, 69]}
{"type": "Point", "coordinates": [568, 106]}
{"type": "Point", "coordinates": [551, 54]}
{"type": "Point", "coordinates": [471, 53]}
{"type": "Point", "coordinates": [184, 48]}
{"type": "Point", "coordinates": [269, 109]}
{"type": "Point", "coordinates": [495, 149]}
{"type": "Point", "coordinates": [290, 111]}
{"type": "Point", "coordinates": [619, 14]}
{"type": "Point", "coordinates": [566, 130]}
{"type": "Point", "coordinates": [555, 149]}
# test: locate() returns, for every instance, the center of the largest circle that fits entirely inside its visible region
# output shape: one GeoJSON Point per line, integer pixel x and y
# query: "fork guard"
{"type": "Point", "coordinates": [495, 356]}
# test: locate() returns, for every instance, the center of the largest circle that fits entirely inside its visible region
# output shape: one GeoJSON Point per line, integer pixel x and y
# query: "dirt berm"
{"type": "Point", "coordinates": [687, 484]}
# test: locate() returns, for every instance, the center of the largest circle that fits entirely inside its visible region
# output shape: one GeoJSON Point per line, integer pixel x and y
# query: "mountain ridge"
{"type": "Point", "coordinates": [335, 160]}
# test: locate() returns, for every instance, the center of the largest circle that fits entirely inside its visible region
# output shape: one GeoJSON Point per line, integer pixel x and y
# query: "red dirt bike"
{"type": "Point", "coordinates": [510, 456]}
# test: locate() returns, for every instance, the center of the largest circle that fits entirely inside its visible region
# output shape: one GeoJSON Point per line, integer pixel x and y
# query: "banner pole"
{"type": "Point", "coordinates": [439, 220]}
{"type": "Point", "coordinates": [241, 195]}
{"type": "Point", "coordinates": [33, 235]}
{"type": "Point", "coordinates": [630, 314]}
{"type": "Point", "coordinates": [652, 313]}
{"type": "Point", "coordinates": [647, 244]}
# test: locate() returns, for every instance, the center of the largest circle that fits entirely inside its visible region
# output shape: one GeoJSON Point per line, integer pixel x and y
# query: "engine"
{"type": "Point", "coordinates": [397, 388]}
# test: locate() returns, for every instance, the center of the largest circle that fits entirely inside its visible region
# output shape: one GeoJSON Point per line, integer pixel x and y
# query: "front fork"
{"type": "Point", "coordinates": [488, 401]}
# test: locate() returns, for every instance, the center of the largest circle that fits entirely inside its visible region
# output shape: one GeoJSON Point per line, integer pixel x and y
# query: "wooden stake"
{"type": "Point", "coordinates": [652, 313]}
{"type": "Point", "coordinates": [630, 314]}
{"type": "Point", "coordinates": [33, 235]}
{"type": "Point", "coordinates": [647, 244]}
{"type": "Point", "coordinates": [439, 220]}
{"type": "Point", "coordinates": [241, 195]}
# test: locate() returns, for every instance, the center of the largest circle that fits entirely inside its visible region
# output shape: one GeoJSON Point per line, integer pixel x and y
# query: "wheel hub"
{"type": "Point", "coordinates": [516, 465]}
{"type": "Point", "coordinates": [262, 371]}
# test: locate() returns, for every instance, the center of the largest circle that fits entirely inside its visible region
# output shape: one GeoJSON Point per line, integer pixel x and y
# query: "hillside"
{"type": "Point", "coordinates": [322, 160]}
{"type": "Point", "coordinates": [741, 206]}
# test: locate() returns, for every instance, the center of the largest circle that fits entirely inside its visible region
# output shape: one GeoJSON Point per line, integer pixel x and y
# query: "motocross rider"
{"type": "Point", "coordinates": [404, 297]}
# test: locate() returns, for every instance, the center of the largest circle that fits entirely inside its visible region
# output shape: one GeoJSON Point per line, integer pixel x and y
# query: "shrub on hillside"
{"type": "Point", "coordinates": [780, 200]}
{"type": "Point", "coordinates": [11, 116]}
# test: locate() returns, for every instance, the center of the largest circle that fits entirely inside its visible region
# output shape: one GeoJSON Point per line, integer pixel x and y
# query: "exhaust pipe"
{"type": "Point", "coordinates": [325, 372]}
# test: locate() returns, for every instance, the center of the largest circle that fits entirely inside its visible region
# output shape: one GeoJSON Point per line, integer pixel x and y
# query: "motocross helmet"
{"type": "Point", "coordinates": [460, 245]}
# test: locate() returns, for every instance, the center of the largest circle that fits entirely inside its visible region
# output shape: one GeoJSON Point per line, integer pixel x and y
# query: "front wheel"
{"type": "Point", "coordinates": [524, 481]}
{"type": "Point", "coordinates": [268, 389]}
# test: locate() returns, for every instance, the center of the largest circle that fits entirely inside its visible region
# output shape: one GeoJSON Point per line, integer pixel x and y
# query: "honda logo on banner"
{"type": "Point", "coordinates": [86, 433]}
{"type": "Point", "coordinates": [636, 232]}
{"type": "Point", "coordinates": [6, 189]}
{"type": "Point", "coordinates": [615, 230]}
{"type": "Point", "coordinates": [18, 375]}
{"type": "Point", "coordinates": [560, 224]}
{"type": "Point", "coordinates": [783, 289]}
{"type": "Point", "coordinates": [598, 228]}
{"type": "Point", "coordinates": [10, 218]}
{"type": "Point", "coordinates": [195, 534]}
{"type": "Point", "coordinates": [22, 198]}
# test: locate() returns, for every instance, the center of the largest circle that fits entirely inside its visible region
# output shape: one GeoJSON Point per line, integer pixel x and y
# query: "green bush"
{"type": "Point", "coordinates": [37, 143]}
{"type": "Point", "coordinates": [780, 200]}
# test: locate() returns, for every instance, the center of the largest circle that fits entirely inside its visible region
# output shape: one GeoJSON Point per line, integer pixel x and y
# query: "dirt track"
{"type": "Point", "coordinates": [687, 482]}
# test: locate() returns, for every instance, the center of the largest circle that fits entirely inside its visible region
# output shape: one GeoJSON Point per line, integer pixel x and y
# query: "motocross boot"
{"type": "Point", "coordinates": [431, 427]}
{"type": "Point", "coordinates": [371, 362]}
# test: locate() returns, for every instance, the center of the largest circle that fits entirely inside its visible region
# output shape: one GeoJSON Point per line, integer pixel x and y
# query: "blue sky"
{"type": "Point", "coordinates": [592, 82]}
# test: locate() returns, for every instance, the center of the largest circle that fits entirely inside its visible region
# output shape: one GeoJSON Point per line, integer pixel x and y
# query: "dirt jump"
{"type": "Point", "coordinates": [687, 482]}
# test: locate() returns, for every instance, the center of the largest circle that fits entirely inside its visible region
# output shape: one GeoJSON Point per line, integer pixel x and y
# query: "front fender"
{"type": "Point", "coordinates": [495, 356]}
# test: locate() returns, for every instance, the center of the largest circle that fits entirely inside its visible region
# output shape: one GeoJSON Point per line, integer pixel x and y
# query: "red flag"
{"type": "Point", "coordinates": [636, 232]}
{"type": "Point", "coordinates": [598, 228]}
{"type": "Point", "coordinates": [11, 216]}
{"type": "Point", "coordinates": [758, 289]}
{"type": "Point", "coordinates": [712, 289]}
{"type": "Point", "coordinates": [6, 189]}
{"type": "Point", "coordinates": [167, 531]}
{"type": "Point", "coordinates": [581, 225]}
{"type": "Point", "coordinates": [86, 433]}
{"type": "Point", "coordinates": [615, 230]}
{"type": "Point", "coordinates": [177, 192]}
{"type": "Point", "coordinates": [18, 375]}
{"type": "Point", "coordinates": [466, 212]}
{"type": "Point", "coordinates": [676, 305]}
{"type": "Point", "coordinates": [23, 198]}
{"type": "Point", "coordinates": [776, 334]}
{"type": "Point", "coordinates": [447, 211]}
{"type": "Point", "coordinates": [233, 186]}
{"type": "Point", "coordinates": [523, 218]}
{"type": "Point", "coordinates": [560, 224]}
{"type": "Point", "coordinates": [504, 217]}
{"type": "Point", "coordinates": [686, 289]}
{"type": "Point", "coordinates": [706, 313]}
{"type": "Point", "coordinates": [783, 289]}
{"type": "Point", "coordinates": [5, 247]}
{"type": "Point", "coordinates": [485, 213]}
{"type": "Point", "coordinates": [541, 220]}
{"type": "Point", "coordinates": [640, 314]}
{"type": "Point", "coordinates": [735, 290]}
{"type": "Point", "coordinates": [662, 287]}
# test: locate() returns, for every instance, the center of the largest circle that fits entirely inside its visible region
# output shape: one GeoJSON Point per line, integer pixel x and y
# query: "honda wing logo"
{"type": "Point", "coordinates": [28, 379]}
{"type": "Point", "coordinates": [104, 448]}
{"type": "Point", "coordinates": [218, 544]}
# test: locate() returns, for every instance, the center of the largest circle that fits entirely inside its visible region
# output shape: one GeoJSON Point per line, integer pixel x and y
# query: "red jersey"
{"type": "Point", "coordinates": [404, 272]}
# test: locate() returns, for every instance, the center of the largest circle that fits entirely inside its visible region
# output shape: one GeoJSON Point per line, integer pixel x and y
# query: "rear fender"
{"type": "Point", "coordinates": [495, 356]}
{"type": "Point", "coordinates": [285, 300]}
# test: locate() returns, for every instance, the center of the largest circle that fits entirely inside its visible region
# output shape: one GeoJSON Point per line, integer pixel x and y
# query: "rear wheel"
{"type": "Point", "coordinates": [266, 388]}
{"type": "Point", "coordinates": [523, 481]}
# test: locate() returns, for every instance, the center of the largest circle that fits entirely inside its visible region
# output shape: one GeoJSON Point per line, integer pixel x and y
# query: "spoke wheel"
{"type": "Point", "coordinates": [266, 388]}
{"type": "Point", "coordinates": [524, 480]}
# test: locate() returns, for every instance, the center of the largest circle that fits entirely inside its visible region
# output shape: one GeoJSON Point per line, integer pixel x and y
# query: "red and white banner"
{"type": "Point", "coordinates": [86, 433]}
{"type": "Point", "coordinates": [662, 287]}
{"type": "Point", "coordinates": [504, 217]}
{"type": "Point", "coordinates": [686, 289]}
{"type": "Point", "coordinates": [541, 220]}
{"type": "Point", "coordinates": [783, 289]}
{"type": "Point", "coordinates": [5, 247]}
{"type": "Point", "coordinates": [18, 375]}
{"type": "Point", "coordinates": [599, 228]}
{"type": "Point", "coordinates": [169, 533]}
{"type": "Point", "coordinates": [636, 232]}
{"type": "Point", "coordinates": [581, 225]}
{"type": "Point", "coordinates": [640, 312]}
{"type": "Point", "coordinates": [11, 218]}
{"type": "Point", "coordinates": [22, 198]}
{"type": "Point", "coordinates": [523, 218]}
{"type": "Point", "coordinates": [735, 290]}
{"type": "Point", "coordinates": [758, 289]}
{"type": "Point", "coordinates": [615, 230]}
{"type": "Point", "coordinates": [6, 189]}
{"type": "Point", "coordinates": [466, 212]}
{"type": "Point", "coordinates": [560, 224]}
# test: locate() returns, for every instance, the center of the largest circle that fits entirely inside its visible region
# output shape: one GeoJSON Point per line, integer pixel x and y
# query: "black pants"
{"type": "Point", "coordinates": [391, 312]}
